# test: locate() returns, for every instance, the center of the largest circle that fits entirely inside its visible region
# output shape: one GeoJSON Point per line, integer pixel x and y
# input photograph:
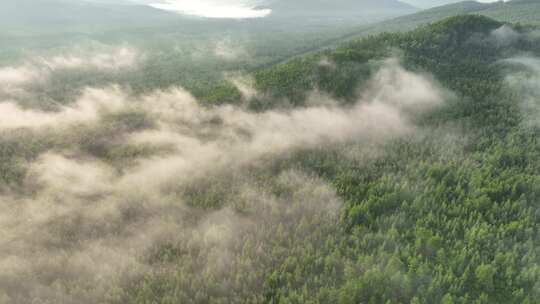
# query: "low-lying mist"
{"type": "Point", "coordinates": [525, 81]}
{"type": "Point", "coordinates": [522, 73]}
{"type": "Point", "coordinates": [116, 187]}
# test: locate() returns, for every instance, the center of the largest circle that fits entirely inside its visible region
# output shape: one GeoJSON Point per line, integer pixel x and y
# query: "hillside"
{"type": "Point", "coordinates": [28, 17]}
{"type": "Point", "coordinates": [399, 168]}
{"type": "Point", "coordinates": [525, 11]}
{"type": "Point", "coordinates": [430, 3]}
{"type": "Point", "coordinates": [32, 17]}
{"type": "Point", "coordinates": [369, 10]}
{"type": "Point", "coordinates": [181, 164]}
{"type": "Point", "coordinates": [185, 50]}
{"type": "Point", "coordinates": [437, 207]}
{"type": "Point", "coordinates": [55, 24]}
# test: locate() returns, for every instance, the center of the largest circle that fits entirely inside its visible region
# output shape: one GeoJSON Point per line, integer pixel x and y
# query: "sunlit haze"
{"type": "Point", "coordinates": [213, 9]}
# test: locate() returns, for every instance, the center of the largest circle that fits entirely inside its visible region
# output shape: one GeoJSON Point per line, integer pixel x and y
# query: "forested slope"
{"type": "Point", "coordinates": [399, 168]}
{"type": "Point", "coordinates": [190, 51]}
{"type": "Point", "coordinates": [524, 11]}
{"type": "Point", "coordinates": [447, 215]}
{"type": "Point", "coordinates": [368, 10]}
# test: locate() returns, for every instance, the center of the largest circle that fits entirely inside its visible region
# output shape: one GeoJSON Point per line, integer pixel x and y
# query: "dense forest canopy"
{"type": "Point", "coordinates": [400, 167]}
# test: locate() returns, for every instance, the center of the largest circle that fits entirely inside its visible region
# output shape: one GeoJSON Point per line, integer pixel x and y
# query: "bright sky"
{"type": "Point", "coordinates": [214, 8]}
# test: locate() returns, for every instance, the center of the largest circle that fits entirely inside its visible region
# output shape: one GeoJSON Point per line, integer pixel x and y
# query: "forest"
{"type": "Point", "coordinates": [400, 167]}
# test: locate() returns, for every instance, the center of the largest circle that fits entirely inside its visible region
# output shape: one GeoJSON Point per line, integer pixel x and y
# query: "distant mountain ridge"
{"type": "Point", "coordinates": [28, 16]}
{"type": "Point", "coordinates": [376, 8]}
{"type": "Point", "coordinates": [522, 11]}
{"type": "Point", "coordinates": [430, 3]}
{"type": "Point", "coordinates": [83, 16]}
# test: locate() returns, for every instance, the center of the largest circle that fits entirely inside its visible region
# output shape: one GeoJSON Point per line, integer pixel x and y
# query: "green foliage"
{"type": "Point", "coordinates": [431, 218]}
{"type": "Point", "coordinates": [420, 225]}
{"type": "Point", "coordinates": [291, 80]}
{"type": "Point", "coordinates": [17, 148]}
{"type": "Point", "coordinates": [515, 11]}
{"type": "Point", "coordinates": [223, 94]}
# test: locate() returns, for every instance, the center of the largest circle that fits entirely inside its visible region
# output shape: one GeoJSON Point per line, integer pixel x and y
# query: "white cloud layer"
{"type": "Point", "coordinates": [214, 8]}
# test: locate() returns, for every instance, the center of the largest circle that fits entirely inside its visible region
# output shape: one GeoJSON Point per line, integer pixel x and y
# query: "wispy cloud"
{"type": "Point", "coordinates": [526, 83]}
{"type": "Point", "coordinates": [80, 228]}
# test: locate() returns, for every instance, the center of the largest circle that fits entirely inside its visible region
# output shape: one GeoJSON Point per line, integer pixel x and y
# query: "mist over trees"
{"type": "Point", "coordinates": [172, 167]}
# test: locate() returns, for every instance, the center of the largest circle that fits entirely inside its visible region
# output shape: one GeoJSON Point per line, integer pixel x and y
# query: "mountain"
{"type": "Point", "coordinates": [430, 3]}
{"type": "Point", "coordinates": [409, 22]}
{"type": "Point", "coordinates": [450, 240]}
{"type": "Point", "coordinates": [293, 27]}
{"type": "Point", "coordinates": [28, 17]}
{"type": "Point", "coordinates": [364, 9]}
{"type": "Point", "coordinates": [397, 168]}
{"type": "Point", "coordinates": [522, 11]}
{"type": "Point", "coordinates": [25, 17]}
